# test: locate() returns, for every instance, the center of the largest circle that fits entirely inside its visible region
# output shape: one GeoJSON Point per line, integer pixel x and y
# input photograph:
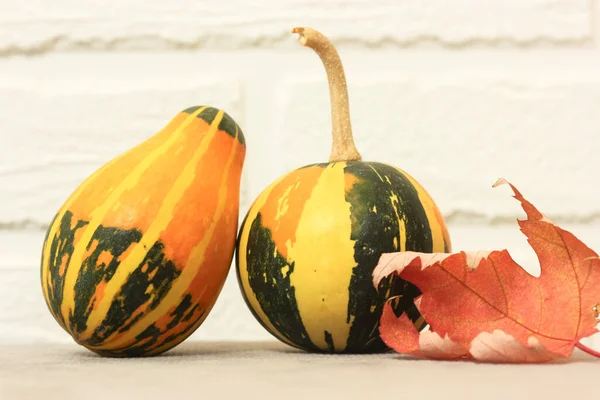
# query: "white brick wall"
{"type": "Point", "coordinates": [458, 93]}
{"type": "Point", "coordinates": [35, 27]}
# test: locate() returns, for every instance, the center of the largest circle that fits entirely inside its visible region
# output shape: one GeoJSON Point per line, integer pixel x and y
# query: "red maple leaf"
{"type": "Point", "coordinates": [483, 305]}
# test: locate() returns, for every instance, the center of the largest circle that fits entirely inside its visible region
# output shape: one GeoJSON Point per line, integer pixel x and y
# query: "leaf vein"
{"type": "Point", "coordinates": [506, 314]}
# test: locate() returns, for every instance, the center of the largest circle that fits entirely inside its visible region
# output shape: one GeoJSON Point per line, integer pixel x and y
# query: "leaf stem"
{"type": "Point", "coordinates": [343, 148]}
{"type": "Point", "coordinates": [586, 349]}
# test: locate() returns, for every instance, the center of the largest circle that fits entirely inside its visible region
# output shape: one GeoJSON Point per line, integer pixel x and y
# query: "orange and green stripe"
{"type": "Point", "coordinates": [128, 266]}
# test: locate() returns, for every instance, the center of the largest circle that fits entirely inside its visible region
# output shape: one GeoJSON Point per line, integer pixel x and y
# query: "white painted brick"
{"type": "Point", "coordinates": [41, 26]}
{"type": "Point", "coordinates": [456, 121]}
{"type": "Point", "coordinates": [24, 317]}
{"type": "Point", "coordinates": [457, 134]}
{"type": "Point", "coordinates": [57, 132]}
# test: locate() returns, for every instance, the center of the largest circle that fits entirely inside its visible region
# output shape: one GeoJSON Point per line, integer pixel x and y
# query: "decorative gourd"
{"type": "Point", "coordinates": [135, 259]}
{"type": "Point", "coordinates": [310, 241]}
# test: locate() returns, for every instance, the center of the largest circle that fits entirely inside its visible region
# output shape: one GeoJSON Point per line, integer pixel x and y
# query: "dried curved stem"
{"type": "Point", "coordinates": [343, 148]}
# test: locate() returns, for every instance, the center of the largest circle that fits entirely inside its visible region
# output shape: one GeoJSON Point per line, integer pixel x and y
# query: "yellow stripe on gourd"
{"type": "Point", "coordinates": [197, 255]}
{"type": "Point", "coordinates": [401, 225]}
{"type": "Point", "coordinates": [437, 234]}
{"type": "Point", "coordinates": [377, 173]}
{"type": "Point", "coordinates": [402, 228]}
{"type": "Point", "coordinates": [151, 236]}
{"type": "Point", "coordinates": [97, 216]}
{"type": "Point", "coordinates": [321, 283]}
{"type": "Point", "coordinates": [166, 346]}
{"type": "Point", "coordinates": [243, 260]}
{"type": "Point", "coordinates": [400, 241]}
{"type": "Point", "coordinates": [57, 222]}
{"type": "Point", "coordinates": [160, 347]}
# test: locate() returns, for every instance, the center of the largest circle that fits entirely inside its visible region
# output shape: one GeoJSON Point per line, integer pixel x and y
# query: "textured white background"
{"type": "Point", "coordinates": [458, 93]}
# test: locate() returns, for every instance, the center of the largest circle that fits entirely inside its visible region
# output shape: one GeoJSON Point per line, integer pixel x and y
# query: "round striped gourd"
{"type": "Point", "coordinates": [309, 244]}
{"type": "Point", "coordinates": [135, 259]}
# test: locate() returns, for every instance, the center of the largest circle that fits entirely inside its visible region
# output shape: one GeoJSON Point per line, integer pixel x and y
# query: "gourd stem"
{"type": "Point", "coordinates": [343, 148]}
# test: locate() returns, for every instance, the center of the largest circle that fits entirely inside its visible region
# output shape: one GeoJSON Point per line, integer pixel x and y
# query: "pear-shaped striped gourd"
{"type": "Point", "coordinates": [309, 244]}
{"type": "Point", "coordinates": [135, 259]}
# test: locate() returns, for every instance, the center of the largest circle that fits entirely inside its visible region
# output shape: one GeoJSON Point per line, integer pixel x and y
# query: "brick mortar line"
{"type": "Point", "coordinates": [154, 42]}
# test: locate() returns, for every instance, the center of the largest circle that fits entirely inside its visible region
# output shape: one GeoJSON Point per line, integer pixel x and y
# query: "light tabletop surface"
{"type": "Point", "coordinates": [270, 370]}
